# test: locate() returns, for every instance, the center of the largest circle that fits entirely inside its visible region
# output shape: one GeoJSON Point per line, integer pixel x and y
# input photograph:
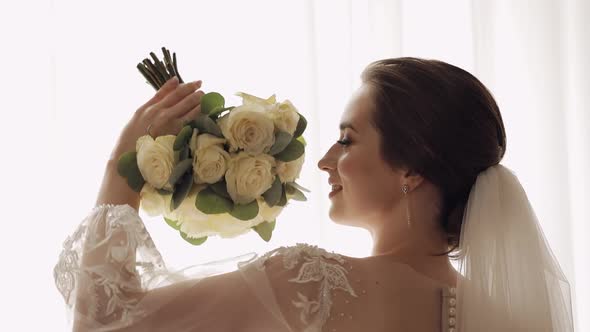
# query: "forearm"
{"type": "Point", "coordinates": [107, 283]}
{"type": "Point", "coordinates": [114, 188]}
{"type": "Point", "coordinates": [97, 254]}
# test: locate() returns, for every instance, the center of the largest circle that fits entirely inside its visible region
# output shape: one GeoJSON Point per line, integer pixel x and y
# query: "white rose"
{"type": "Point", "coordinates": [248, 127]}
{"type": "Point", "coordinates": [250, 99]}
{"type": "Point", "coordinates": [193, 222]}
{"type": "Point", "coordinates": [248, 177]}
{"type": "Point", "coordinates": [228, 227]}
{"type": "Point", "coordinates": [197, 224]}
{"type": "Point", "coordinates": [289, 171]}
{"type": "Point", "coordinates": [210, 159]}
{"type": "Point", "coordinates": [285, 117]}
{"type": "Point", "coordinates": [152, 202]}
{"type": "Point", "coordinates": [268, 213]}
{"type": "Point", "coordinates": [155, 159]}
{"type": "Point", "coordinates": [192, 143]}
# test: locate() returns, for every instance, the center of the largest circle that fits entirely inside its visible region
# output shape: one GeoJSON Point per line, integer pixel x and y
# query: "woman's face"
{"type": "Point", "coordinates": [364, 187]}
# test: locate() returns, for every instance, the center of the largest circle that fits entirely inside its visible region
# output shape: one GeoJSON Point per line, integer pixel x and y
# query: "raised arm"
{"type": "Point", "coordinates": [99, 271]}
{"type": "Point", "coordinates": [172, 105]}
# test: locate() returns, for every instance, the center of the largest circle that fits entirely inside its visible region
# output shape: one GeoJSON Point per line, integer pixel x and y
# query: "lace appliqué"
{"type": "Point", "coordinates": [112, 286]}
{"type": "Point", "coordinates": [317, 268]}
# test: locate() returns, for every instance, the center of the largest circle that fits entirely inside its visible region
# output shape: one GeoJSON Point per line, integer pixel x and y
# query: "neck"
{"type": "Point", "coordinates": [422, 239]}
{"type": "Point", "coordinates": [417, 241]}
{"type": "Point", "coordinates": [418, 244]}
{"type": "Point", "coordinates": [416, 247]}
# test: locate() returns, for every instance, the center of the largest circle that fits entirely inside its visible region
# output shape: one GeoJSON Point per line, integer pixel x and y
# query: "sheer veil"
{"type": "Point", "coordinates": [512, 281]}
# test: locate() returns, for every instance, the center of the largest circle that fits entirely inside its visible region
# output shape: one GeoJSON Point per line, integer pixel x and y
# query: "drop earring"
{"type": "Point", "coordinates": [406, 190]}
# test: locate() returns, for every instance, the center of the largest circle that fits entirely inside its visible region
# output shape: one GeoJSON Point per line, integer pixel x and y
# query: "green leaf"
{"type": "Point", "coordinates": [218, 110]}
{"type": "Point", "coordinates": [295, 193]}
{"type": "Point", "coordinates": [210, 202]}
{"type": "Point", "coordinates": [207, 125]}
{"type": "Point", "coordinates": [302, 140]}
{"type": "Point", "coordinates": [298, 186]}
{"type": "Point", "coordinates": [183, 137]}
{"type": "Point", "coordinates": [210, 101]}
{"type": "Point", "coordinates": [294, 150]}
{"type": "Point", "coordinates": [264, 229]}
{"type": "Point", "coordinates": [172, 223]}
{"type": "Point", "coordinates": [283, 200]}
{"type": "Point", "coordinates": [282, 140]}
{"type": "Point", "coordinates": [301, 126]}
{"type": "Point", "coordinates": [127, 168]}
{"type": "Point", "coordinates": [220, 188]}
{"type": "Point", "coordinates": [192, 123]}
{"type": "Point", "coordinates": [179, 170]}
{"type": "Point", "coordinates": [187, 123]}
{"type": "Point", "coordinates": [136, 182]}
{"type": "Point", "coordinates": [164, 192]}
{"type": "Point", "coordinates": [127, 162]}
{"type": "Point", "coordinates": [182, 189]}
{"type": "Point", "coordinates": [273, 195]}
{"type": "Point", "coordinates": [194, 242]}
{"type": "Point", "coordinates": [184, 153]}
{"type": "Point", "coordinates": [245, 211]}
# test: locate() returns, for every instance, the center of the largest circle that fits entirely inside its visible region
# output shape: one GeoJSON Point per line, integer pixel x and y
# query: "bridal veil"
{"type": "Point", "coordinates": [512, 281]}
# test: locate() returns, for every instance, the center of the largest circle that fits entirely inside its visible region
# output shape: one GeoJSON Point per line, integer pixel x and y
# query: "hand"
{"type": "Point", "coordinates": [172, 106]}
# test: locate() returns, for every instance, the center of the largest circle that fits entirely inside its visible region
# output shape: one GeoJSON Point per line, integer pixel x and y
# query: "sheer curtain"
{"type": "Point", "coordinates": [69, 85]}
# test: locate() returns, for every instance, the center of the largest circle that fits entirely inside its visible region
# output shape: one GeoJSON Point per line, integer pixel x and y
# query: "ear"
{"type": "Point", "coordinates": [413, 179]}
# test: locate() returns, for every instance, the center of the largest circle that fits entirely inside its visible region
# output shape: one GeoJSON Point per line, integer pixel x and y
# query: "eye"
{"type": "Point", "coordinates": [344, 141]}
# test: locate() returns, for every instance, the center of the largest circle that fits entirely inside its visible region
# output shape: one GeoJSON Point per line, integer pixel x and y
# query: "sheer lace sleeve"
{"type": "Point", "coordinates": [301, 282]}
{"type": "Point", "coordinates": [112, 277]}
{"type": "Point", "coordinates": [106, 265]}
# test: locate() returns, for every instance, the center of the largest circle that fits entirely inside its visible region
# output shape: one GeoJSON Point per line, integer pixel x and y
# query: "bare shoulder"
{"type": "Point", "coordinates": [312, 285]}
{"type": "Point", "coordinates": [305, 279]}
{"type": "Point", "coordinates": [348, 293]}
{"type": "Point", "coordinates": [306, 264]}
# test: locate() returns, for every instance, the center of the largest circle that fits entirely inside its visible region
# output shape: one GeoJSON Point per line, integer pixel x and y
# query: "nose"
{"type": "Point", "coordinates": [328, 161]}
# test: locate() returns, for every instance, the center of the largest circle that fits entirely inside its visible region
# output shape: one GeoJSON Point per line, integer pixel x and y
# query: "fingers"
{"type": "Point", "coordinates": [191, 115]}
{"type": "Point", "coordinates": [164, 90]}
{"type": "Point", "coordinates": [187, 104]}
{"type": "Point", "coordinates": [179, 94]}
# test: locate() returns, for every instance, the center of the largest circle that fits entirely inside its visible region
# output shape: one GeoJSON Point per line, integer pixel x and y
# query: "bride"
{"type": "Point", "coordinates": [417, 164]}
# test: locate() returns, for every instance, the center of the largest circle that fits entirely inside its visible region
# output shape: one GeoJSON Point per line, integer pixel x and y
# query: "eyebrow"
{"type": "Point", "coordinates": [345, 125]}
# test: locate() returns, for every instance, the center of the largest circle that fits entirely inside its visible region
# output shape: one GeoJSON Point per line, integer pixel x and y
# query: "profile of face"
{"type": "Point", "coordinates": [364, 186]}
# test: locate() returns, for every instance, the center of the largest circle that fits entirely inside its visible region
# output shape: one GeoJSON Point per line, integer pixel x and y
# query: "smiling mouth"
{"type": "Point", "coordinates": [335, 189]}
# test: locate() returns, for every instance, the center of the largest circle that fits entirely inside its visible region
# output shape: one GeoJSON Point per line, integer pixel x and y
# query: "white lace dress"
{"type": "Point", "coordinates": [112, 277]}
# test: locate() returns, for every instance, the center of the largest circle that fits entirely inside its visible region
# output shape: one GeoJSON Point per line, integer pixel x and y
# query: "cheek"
{"type": "Point", "coordinates": [360, 166]}
{"type": "Point", "coordinates": [352, 168]}
{"type": "Point", "coordinates": [367, 182]}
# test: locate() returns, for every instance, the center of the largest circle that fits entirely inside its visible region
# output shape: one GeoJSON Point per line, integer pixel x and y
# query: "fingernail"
{"type": "Point", "coordinates": [174, 79]}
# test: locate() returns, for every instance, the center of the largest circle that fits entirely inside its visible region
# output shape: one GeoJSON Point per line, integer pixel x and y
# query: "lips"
{"type": "Point", "coordinates": [336, 188]}
{"type": "Point", "coordinates": [335, 184]}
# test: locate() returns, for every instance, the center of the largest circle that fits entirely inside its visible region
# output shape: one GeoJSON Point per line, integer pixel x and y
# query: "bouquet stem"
{"type": "Point", "coordinates": [157, 73]}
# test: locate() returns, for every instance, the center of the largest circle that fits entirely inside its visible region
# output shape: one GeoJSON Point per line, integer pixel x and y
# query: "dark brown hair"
{"type": "Point", "coordinates": [439, 121]}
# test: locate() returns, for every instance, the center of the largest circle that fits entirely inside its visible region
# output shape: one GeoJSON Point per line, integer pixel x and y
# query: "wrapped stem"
{"type": "Point", "coordinates": [158, 72]}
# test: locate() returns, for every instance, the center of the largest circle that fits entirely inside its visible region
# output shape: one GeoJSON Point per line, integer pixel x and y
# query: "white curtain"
{"type": "Point", "coordinates": [69, 85]}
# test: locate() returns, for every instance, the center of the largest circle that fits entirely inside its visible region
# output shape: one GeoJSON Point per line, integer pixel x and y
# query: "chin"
{"type": "Point", "coordinates": [340, 218]}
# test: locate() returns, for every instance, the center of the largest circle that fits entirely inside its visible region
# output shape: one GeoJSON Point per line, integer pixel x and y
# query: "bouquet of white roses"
{"type": "Point", "coordinates": [230, 170]}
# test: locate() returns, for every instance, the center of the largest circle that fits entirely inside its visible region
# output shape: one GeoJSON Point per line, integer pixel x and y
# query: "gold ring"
{"type": "Point", "coordinates": [148, 130]}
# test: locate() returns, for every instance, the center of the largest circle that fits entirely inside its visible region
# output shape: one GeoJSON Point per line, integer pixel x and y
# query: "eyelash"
{"type": "Point", "coordinates": [343, 141]}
